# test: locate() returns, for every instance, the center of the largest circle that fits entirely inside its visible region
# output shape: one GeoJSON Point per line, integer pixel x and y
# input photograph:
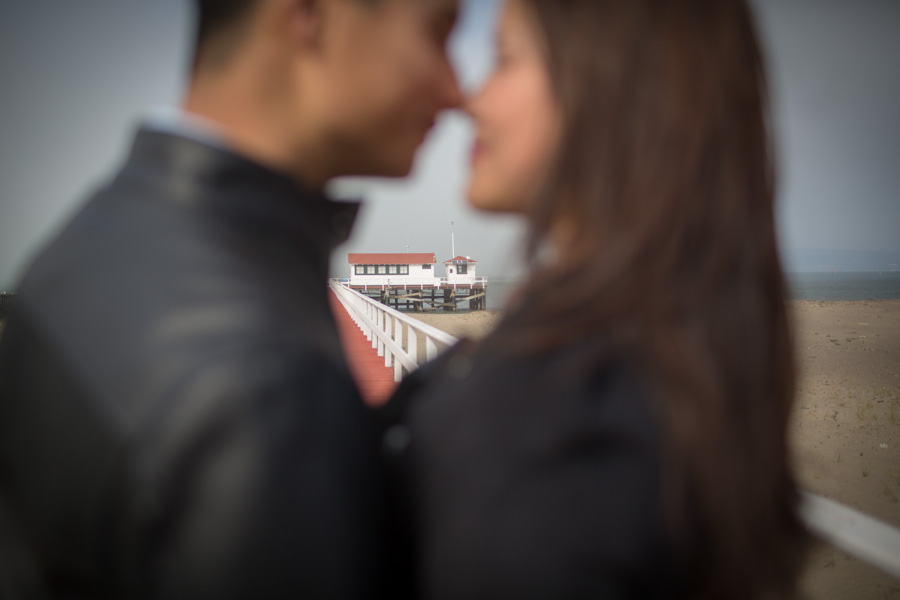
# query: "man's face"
{"type": "Point", "coordinates": [385, 77]}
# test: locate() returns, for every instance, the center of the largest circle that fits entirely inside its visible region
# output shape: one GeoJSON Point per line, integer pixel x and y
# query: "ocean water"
{"type": "Point", "coordinates": [499, 291]}
{"type": "Point", "coordinates": [847, 285]}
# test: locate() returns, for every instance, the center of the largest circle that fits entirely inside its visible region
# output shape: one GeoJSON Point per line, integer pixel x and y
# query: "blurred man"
{"type": "Point", "coordinates": [176, 416]}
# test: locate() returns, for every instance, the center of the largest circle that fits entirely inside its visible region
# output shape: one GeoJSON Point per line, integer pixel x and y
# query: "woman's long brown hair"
{"type": "Point", "coordinates": [660, 206]}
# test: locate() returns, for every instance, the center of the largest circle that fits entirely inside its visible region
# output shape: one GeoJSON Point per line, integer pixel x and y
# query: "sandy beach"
{"type": "Point", "coordinates": [845, 432]}
{"type": "Point", "coordinates": [464, 324]}
{"type": "Point", "coordinates": [846, 429]}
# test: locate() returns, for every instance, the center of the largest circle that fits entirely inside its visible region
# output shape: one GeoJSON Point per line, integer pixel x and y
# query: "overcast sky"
{"type": "Point", "coordinates": [76, 76]}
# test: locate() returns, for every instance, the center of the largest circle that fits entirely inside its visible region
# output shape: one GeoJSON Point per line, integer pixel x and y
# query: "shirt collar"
{"type": "Point", "coordinates": [179, 121]}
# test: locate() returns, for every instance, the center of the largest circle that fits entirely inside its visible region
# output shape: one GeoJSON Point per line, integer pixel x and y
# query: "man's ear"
{"type": "Point", "coordinates": [306, 19]}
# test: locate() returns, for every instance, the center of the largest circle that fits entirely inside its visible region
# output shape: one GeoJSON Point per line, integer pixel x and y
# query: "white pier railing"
{"type": "Point", "coordinates": [868, 539]}
{"type": "Point", "coordinates": [394, 335]}
{"type": "Point", "coordinates": [458, 283]}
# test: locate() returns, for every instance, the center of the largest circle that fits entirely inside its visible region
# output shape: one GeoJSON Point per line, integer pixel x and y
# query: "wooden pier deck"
{"type": "Point", "coordinates": [375, 381]}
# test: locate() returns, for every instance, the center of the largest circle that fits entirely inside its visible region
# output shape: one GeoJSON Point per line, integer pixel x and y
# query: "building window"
{"type": "Point", "coordinates": [404, 269]}
{"type": "Point", "coordinates": [392, 269]}
{"type": "Point", "coordinates": [370, 269]}
{"type": "Point", "coordinates": [462, 269]}
{"type": "Point", "coordinates": [382, 269]}
{"type": "Point", "coordinates": [426, 267]}
{"type": "Point", "coordinates": [360, 270]}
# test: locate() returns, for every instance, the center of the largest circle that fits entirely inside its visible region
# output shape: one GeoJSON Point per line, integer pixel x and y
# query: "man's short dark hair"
{"type": "Point", "coordinates": [219, 27]}
{"type": "Point", "coordinates": [215, 19]}
{"type": "Point", "coordinates": [215, 16]}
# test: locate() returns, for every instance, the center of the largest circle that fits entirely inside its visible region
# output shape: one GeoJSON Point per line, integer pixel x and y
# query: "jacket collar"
{"type": "Point", "coordinates": [214, 178]}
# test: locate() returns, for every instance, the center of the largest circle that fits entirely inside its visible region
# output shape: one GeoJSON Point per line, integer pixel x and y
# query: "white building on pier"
{"type": "Point", "coordinates": [391, 270]}
{"type": "Point", "coordinates": [460, 270]}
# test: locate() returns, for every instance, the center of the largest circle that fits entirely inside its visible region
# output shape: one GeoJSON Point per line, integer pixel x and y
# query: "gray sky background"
{"type": "Point", "coordinates": [75, 78]}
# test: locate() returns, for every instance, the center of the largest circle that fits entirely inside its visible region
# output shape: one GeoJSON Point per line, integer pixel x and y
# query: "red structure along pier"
{"type": "Point", "coordinates": [374, 380]}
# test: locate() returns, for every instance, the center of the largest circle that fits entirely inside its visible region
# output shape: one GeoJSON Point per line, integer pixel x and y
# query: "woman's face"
{"type": "Point", "coordinates": [516, 117]}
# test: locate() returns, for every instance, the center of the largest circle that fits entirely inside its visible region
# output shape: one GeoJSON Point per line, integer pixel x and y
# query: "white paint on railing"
{"type": "Point", "coordinates": [860, 535]}
{"type": "Point", "coordinates": [384, 327]}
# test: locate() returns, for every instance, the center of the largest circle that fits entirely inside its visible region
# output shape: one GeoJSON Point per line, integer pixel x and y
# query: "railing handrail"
{"type": "Point", "coordinates": [383, 326]}
{"type": "Point", "coordinates": [475, 281]}
{"type": "Point", "coordinates": [856, 533]}
{"type": "Point", "coordinates": [429, 330]}
{"type": "Point", "coordinates": [391, 345]}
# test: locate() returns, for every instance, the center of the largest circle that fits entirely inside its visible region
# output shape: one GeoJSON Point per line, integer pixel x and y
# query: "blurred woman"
{"type": "Point", "coordinates": [622, 433]}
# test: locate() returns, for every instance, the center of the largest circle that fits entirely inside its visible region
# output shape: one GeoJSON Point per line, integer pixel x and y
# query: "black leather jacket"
{"type": "Point", "coordinates": [176, 416]}
{"type": "Point", "coordinates": [533, 476]}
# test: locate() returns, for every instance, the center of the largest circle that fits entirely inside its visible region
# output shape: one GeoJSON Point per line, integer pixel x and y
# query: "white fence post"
{"type": "Point", "coordinates": [398, 338]}
{"type": "Point", "coordinates": [412, 343]}
{"type": "Point", "coordinates": [388, 328]}
{"type": "Point", "coordinates": [379, 325]}
{"type": "Point", "coordinates": [373, 320]}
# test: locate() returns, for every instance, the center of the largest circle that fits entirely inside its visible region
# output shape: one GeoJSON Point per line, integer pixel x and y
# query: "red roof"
{"type": "Point", "coordinates": [391, 259]}
{"type": "Point", "coordinates": [460, 259]}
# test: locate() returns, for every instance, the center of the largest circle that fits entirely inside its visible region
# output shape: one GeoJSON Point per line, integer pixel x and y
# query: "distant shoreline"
{"type": "Point", "coordinates": [815, 286]}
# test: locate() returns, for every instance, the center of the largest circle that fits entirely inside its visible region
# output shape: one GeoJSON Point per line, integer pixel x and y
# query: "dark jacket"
{"type": "Point", "coordinates": [532, 477]}
{"type": "Point", "coordinates": [176, 416]}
